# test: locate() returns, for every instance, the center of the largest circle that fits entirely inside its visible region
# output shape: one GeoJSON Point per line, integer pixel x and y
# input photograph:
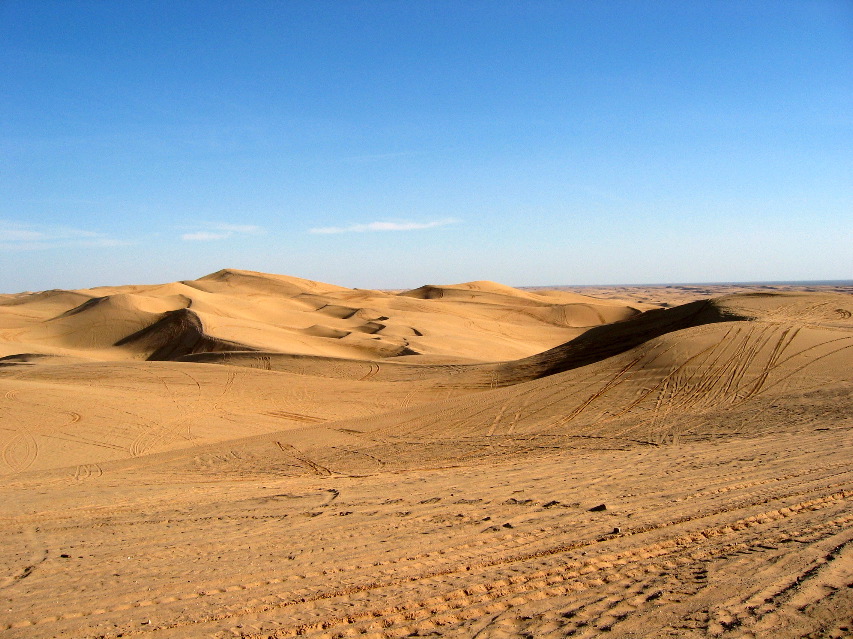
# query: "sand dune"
{"type": "Point", "coordinates": [254, 455]}
{"type": "Point", "coordinates": [703, 371]}
{"type": "Point", "coordinates": [233, 309]}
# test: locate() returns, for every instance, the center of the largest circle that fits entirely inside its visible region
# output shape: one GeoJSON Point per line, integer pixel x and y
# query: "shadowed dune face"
{"type": "Point", "coordinates": [257, 455]}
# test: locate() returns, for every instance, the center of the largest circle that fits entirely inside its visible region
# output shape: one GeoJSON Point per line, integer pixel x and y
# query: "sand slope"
{"type": "Point", "coordinates": [242, 310]}
{"type": "Point", "coordinates": [253, 455]}
{"type": "Point", "coordinates": [698, 375]}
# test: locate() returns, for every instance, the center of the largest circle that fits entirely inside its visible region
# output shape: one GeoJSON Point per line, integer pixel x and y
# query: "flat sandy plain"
{"type": "Point", "coordinates": [253, 455]}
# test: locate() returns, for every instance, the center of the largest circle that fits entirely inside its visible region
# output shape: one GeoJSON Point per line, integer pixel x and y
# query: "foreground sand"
{"type": "Point", "coordinates": [519, 466]}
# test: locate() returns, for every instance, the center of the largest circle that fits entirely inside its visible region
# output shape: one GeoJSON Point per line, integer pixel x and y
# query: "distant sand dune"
{"type": "Point", "coordinates": [282, 314]}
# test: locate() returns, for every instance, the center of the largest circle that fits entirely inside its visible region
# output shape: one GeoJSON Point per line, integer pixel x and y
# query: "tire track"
{"type": "Point", "coordinates": [796, 593]}
{"type": "Point", "coordinates": [84, 440]}
{"type": "Point", "coordinates": [713, 376]}
{"type": "Point", "coordinates": [294, 452]}
{"type": "Point", "coordinates": [296, 417]}
{"type": "Point", "coordinates": [745, 611]}
{"type": "Point", "coordinates": [161, 434]}
{"type": "Point", "coordinates": [373, 372]}
{"type": "Point", "coordinates": [360, 453]}
{"type": "Point", "coordinates": [85, 472]}
{"type": "Point", "coordinates": [20, 451]}
{"type": "Point", "coordinates": [498, 417]}
{"type": "Point", "coordinates": [567, 576]}
{"type": "Point", "coordinates": [770, 480]}
{"type": "Point", "coordinates": [156, 433]}
{"type": "Point", "coordinates": [492, 596]}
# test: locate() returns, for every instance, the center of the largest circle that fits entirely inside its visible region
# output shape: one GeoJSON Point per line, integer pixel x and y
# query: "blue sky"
{"type": "Point", "coordinates": [393, 144]}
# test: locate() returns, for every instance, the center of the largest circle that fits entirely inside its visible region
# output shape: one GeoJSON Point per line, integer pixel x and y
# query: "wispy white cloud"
{"type": "Point", "coordinates": [103, 242]}
{"type": "Point", "coordinates": [15, 236]}
{"type": "Point", "coordinates": [250, 229]}
{"type": "Point", "coordinates": [383, 226]}
{"type": "Point", "coordinates": [204, 236]}
{"type": "Point", "coordinates": [214, 232]}
{"type": "Point", "coordinates": [20, 234]}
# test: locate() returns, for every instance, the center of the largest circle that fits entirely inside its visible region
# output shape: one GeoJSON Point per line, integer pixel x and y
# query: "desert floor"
{"type": "Point", "coordinates": [254, 455]}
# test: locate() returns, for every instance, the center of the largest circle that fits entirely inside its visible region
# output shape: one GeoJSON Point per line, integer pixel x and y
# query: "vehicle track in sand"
{"type": "Point", "coordinates": [135, 437]}
{"type": "Point", "coordinates": [807, 313]}
{"type": "Point", "coordinates": [85, 472]}
{"type": "Point", "coordinates": [296, 417]}
{"type": "Point", "coordinates": [317, 469]}
{"type": "Point", "coordinates": [161, 432]}
{"type": "Point", "coordinates": [21, 449]}
{"type": "Point", "coordinates": [641, 564]}
{"type": "Point", "coordinates": [586, 586]}
{"type": "Point", "coordinates": [373, 372]}
{"type": "Point", "coordinates": [227, 389]}
{"type": "Point", "coordinates": [750, 361]}
{"type": "Point", "coordinates": [640, 568]}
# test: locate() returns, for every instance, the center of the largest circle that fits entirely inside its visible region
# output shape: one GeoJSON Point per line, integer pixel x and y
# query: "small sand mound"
{"type": "Point", "coordinates": [477, 292]}
{"type": "Point", "coordinates": [51, 302]}
{"type": "Point", "coordinates": [319, 330]}
{"type": "Point", "coordinates": [370, 328]}
{"type": "Point", "coordinates": [335, 310]}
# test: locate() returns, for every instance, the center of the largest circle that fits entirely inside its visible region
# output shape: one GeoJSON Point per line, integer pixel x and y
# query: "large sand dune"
{"type": "Point", "coordinates": [264, 456]}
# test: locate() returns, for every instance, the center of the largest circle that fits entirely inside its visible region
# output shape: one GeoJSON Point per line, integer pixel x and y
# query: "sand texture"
{"type": "Point", "coordinates": [254, 455]}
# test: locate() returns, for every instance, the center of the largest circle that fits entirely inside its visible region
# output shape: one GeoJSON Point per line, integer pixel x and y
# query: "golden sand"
{"type": "Point", "coordinates": [254, 455]}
